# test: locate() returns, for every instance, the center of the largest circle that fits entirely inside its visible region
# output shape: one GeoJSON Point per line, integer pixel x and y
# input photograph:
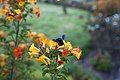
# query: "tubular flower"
{"type": "Point", "coordinates": [21, 3]}
{"type": "Point", "coordinates": [41, 38]}
{"type": "Point", "coordinates": [67, 45]}
{"type": "Point", "coordinates": [52, 44]}
{"type": "Point", "coordinates": [4, 10]}
{"type": "Point", "coordinates": [36, 10]}
{"type": "Point", "coordinates": [18, 11]}
{"type": "Point", "coordinates": [10, 18]}
{"type": "Point", "coordinates": [33, 51]}
{"type": "Point", "coordinates": [31, 34]}
{"type": "Point", "coordinates": [44, 59]}
{"type": "Point", "coordinates": [18, 51]}
{"type": "Point", "coordinates": [32, 1]}
{"type": "Point", "coordinates": [77, 52]}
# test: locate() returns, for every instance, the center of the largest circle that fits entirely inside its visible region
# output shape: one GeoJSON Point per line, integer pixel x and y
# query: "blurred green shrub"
{"type": "Point", "coordinates": [81, 73]}
{"type": "Point", "coordinates": [102, 62]}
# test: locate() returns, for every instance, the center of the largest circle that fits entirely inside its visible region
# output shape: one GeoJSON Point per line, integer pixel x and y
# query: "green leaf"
{"type": "Point", "coordinates": [62, 76]}
{"type": "Point", "coordinates": [45, 72]}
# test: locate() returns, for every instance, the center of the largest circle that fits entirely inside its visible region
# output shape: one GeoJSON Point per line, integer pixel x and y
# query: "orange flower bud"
{"type": "Point", "coordinates": [2, 34]}
{"type": "Point", "coordinates": [2, 60]}
{"type": "Point", "coordinates": [23, 46]}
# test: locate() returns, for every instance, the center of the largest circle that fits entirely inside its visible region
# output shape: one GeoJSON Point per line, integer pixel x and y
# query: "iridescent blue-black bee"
{"type": "Point", "coordinates": [60, 40]}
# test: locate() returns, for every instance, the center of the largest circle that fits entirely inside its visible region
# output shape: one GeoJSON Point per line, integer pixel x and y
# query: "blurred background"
{"type": "Point", "coordinates": [94, 25]}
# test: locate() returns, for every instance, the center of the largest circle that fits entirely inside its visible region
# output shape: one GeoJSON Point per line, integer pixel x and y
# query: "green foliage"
{"type": "Point", "coordinates": [81, 73]}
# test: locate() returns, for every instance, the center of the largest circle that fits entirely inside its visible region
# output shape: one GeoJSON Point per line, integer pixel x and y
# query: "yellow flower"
{"type": "Point", "coordinates": [52, 44]}
{"type": "Point", "coordinates": [67, 45]}
{"type": "Point", "coordinates": [18, 11]}
{"type": "Point", "coordinates": [21, 3]}
{"type": "Point", "coordinates": [77, 52]}
{"type": "Point", "coordinates": [10, 18]}
{"type": "Point", "coordinates": [31, 54]}
{"type": "Point", "coordinates": [34, 49]}
{"type": "Point", "coordinates": [41, 38]}
{"type": "Point", "coordinates": [44, 59]}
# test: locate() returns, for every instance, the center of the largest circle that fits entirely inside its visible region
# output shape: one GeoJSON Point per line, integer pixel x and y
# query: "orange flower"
{"type": "Point", "coordinates": [21, 2]}
{"type": "Point", "coordinates": [23, 46]}
{"type": "Point", "coordinates": [31, 34]}
{"type": "Point", "coordinates": [4, 10]}
{"type": "Point", "coordinates": [65, 52]}
{"type": "Point", "coordinates": [41, 38]}
{"type": "Point", "coordinates": [2, 59]}
{"type": "Point", "coordinates": [36, 10]}
{"type": "Point", "coordinates": [77, 52]}
{"type": "Point", "coordinates": [19, 17]}
{"type": "Point", "coordinates": [18, 51]}
{"type": "Point", "coordinates": [2, 1]}
{"type": "Point", "coordinates": [32, 1]}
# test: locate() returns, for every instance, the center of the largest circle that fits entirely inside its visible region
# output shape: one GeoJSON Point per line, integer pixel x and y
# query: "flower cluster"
{"type": "Point", "coordinates": [18, 9]}
{"type": "Point", "coordinates": [51, 51]}
{"type": "Point", "coordinates": [13, 39]}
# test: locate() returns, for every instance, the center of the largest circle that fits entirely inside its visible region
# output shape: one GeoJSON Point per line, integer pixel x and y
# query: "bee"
{"type": "Point", "coordinates": [60, 40]}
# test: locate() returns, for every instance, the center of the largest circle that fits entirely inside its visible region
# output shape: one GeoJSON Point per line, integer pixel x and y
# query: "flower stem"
{"type": "Point", "coordinates": [16, 44]}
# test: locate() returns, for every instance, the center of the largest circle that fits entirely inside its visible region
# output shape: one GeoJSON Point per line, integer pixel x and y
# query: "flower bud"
{"type": "Point", "coordinates": [12, 43]}
{"type": "Point", "coordinates": [2, 34]}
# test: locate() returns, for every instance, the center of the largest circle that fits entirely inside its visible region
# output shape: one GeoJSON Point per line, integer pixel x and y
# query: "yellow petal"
{"type": "Point", "coordinates": [21, 3]}
{"type": "Point", "coordinates": [34, 49]}
{"type": "Point", "coordinates": [44, 59]}
{"type": "Point", "coordinates": [67, 45]}
{"type": "Point", "coordinates": [18, 11]}
{"type": "Point", "coordinates": [59, 67]}
{"type": "Point", "coordinates": [52, 44]}
{"type": "Point", "coordinates": [10, 18]}
{"type": "Point", "coordinates": [32, 54]}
